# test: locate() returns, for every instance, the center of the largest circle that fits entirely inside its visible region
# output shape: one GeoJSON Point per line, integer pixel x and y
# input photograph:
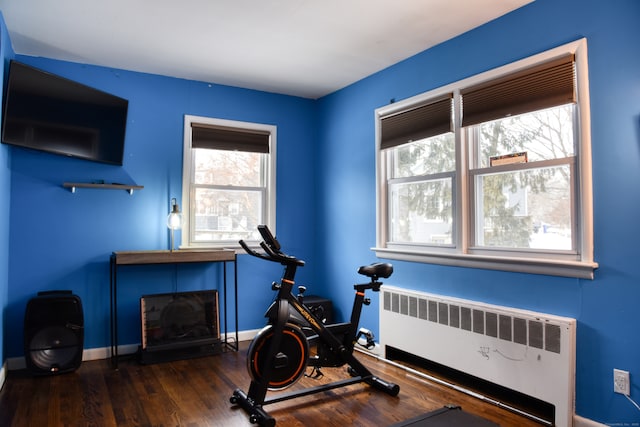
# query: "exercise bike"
{"type": "Point", "coordinates": [280, 353]}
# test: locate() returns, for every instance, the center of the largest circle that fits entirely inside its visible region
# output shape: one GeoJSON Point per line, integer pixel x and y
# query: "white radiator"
{"type": "Point", "coordinates": [529, 352]}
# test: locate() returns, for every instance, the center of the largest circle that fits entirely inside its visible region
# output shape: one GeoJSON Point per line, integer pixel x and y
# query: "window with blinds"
{"type": "Point", "coordinates": [228, 181]}
{"type": "Point", "coordinates": [421, 151]}
{"type": "Point", "coordinates": [492, 171]}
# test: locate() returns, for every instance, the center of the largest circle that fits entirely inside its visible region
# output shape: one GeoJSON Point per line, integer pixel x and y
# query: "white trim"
{"type": "Point", "coordinates": [580, 265]}
{"type": "Point", "coordinates": [247, 335]}
{"type": "Point", "coordinates": [579, 421]}
{"type": "Point", "coordinates": [270, 214]}
{"type": "Point", "coordinates": [18, 363]}
{"type": "Point", "coordinates": [101, 353]}
{"type": "Point", "coordinates": [550, 267]}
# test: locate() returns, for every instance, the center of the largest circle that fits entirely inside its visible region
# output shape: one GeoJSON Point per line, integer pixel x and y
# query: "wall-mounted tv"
{"type": "Point", "coordinates": [46, 112]}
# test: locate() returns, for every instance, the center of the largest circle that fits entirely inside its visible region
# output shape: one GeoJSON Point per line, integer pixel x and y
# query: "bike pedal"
{"type": "Point", "coordinates": [316, 373]}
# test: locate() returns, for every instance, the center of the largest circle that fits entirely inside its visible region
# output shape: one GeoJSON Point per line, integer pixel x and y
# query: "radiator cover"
{"type": "Point", "coordinates": [526, 351]}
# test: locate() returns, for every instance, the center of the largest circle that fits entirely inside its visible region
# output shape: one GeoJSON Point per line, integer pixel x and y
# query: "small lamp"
{"type": "Point", "coordinates": [174, 220]}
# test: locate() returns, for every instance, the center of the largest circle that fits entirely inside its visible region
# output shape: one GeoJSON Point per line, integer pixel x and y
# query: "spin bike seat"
{"type": "Point", "coordinates": [376, 270]}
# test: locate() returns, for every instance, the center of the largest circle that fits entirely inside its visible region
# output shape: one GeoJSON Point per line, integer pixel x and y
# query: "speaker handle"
{"type": "Point", "coordinates": [46, 293]}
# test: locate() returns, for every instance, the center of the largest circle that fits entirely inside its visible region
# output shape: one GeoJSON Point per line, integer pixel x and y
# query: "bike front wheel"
{"type": "Point", "coordinates": [289, 363]}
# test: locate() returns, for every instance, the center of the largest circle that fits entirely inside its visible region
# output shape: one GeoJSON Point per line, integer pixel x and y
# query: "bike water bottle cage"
{"type": "Point", "coordinates": [376, 270]}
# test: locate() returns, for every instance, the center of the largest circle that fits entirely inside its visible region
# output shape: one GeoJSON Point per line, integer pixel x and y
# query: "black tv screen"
{"type": "Point", "coordinates": [46, 112]}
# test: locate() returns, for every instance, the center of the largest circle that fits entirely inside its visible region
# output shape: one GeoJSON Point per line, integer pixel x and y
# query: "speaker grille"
{"type": "Point", "coordinates": [54, 347]}
{"type": "Point", "coordinates": [54, 333]}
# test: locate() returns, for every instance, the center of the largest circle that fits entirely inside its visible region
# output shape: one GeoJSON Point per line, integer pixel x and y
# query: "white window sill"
{"type": "Point", "coordinates": [223, 246]}
{"type": "Point", "coordinates": [565, 268]}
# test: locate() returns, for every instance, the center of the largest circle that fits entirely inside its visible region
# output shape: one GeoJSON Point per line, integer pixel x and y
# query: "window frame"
{"type": "Point", "coordinates": [462, 253]}
{"type": "Point", "coordinates": [188, 187]}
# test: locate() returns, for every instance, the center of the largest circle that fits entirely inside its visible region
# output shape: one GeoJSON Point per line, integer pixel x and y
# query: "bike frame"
{"type": "Point", "coordinates": [253, 401]}
{"type": "Point", "coordinates": [328, 334]}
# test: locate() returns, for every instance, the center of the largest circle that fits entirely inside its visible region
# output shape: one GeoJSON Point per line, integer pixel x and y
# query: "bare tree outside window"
{"type": "Point", "coordinates": [528, 206]}
{"type": "Point", "coordinates": [421, 191]}
{"type": "Point", "coordinates": [228, 194]}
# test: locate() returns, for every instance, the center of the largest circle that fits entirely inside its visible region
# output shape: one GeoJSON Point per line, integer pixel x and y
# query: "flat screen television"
{"type": "Point", "coordinates": [46, 112]}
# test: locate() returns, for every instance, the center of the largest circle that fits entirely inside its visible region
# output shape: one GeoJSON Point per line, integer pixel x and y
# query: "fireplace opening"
{"type": "Point", "coordinates": [179, 325]}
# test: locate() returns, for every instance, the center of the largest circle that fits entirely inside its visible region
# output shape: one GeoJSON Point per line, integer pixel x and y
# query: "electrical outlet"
{"type": "Point", "coordinates": [621, 382]}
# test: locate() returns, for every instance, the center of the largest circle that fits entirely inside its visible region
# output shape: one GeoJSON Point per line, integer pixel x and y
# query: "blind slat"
{"type": "Point", "coordinates": [221, 138]}
{"type": "Point", "coordinates": [429, 119]}
{"type": "Point", "coordinates": [543, 86]}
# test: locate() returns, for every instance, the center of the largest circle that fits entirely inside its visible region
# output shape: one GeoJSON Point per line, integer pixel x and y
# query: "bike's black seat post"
{"type": "Point", "coordinates": [356, 311]}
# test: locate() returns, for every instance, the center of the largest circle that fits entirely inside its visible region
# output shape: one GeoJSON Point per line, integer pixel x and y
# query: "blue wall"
{"type": "Point", "coordinates": [5, 180]}
{"type": "Point", "coordinates": [326, 194]}
{"type": "Point", "coordinates": [607, 307]}
{"type": "Point", "coordinates": [61, 240]}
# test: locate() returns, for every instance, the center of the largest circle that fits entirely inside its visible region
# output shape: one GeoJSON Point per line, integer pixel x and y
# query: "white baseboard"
{"type": "Point", "coordinates": [246, 335]}
{"type": "Point", "coordinates": [578, 421]}
{"type": "Point", "coordinates": [17, 363]}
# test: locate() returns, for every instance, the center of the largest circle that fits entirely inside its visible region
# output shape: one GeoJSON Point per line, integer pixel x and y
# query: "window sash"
{"type": "Point", "coordinates": [448, 179]}
{"type": "Point", "coordinates": [251, 137]}
{"type": "Point", "coordinates": [196, 232]}
{"type": "Point", "coordinates": [476, 174]}
{"type": "Point", "coordinates": [579, 263]}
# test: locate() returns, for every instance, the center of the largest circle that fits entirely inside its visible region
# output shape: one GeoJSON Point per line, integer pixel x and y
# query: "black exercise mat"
{"type": "Point", "coordinates": [446, 417]}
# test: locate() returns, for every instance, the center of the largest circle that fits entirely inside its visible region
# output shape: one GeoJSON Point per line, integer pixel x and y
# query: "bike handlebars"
{"type": "Point", "coordinates": [268, 238]}
{"type": "Point", "coordinates": [271, 247]}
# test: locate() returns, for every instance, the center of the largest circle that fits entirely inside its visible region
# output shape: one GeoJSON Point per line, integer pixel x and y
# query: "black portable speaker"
{"type": "Point", "coordinates": [53, 333]}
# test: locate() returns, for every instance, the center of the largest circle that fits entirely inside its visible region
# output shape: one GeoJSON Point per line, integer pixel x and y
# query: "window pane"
{"type": "Point", "coordinates": [525, 209]}
{"type": "Point", "coordinates": [421, 212]}
{"type": "Point", "coordinates": [226, 214]}
{"type": "Point", "coordinates": [543, 135]}
{"type": "Point", "coordinates": [224, 167]}
{"type": "Point", "coordinates": [427, 156]}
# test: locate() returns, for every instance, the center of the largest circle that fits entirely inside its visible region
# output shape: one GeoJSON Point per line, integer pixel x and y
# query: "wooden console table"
{"type": "Point", "coordinates": [123, 258]}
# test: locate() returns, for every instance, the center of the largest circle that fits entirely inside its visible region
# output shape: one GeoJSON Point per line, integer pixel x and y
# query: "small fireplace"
{"type": "Point", "coordinates": [179, 325]}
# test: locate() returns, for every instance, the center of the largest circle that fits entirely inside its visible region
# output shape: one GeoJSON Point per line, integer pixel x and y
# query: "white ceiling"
{"type": "Point", "coordinates": [298, 47]}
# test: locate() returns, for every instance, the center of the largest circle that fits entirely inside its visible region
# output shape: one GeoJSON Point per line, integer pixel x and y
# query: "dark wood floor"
{"type": "Point", "coordinates": [196, 392]}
